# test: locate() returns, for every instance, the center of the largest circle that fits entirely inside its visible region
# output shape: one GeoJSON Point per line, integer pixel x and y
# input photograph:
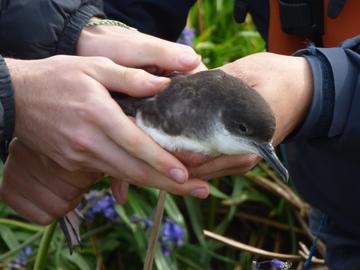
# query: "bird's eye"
{"type": "Point", "coordinates": [243, 128]}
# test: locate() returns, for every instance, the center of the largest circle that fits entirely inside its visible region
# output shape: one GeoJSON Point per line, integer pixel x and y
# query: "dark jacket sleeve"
{"type": "Point", "coordinates": [162, 18]}
{"type": "Point", "coordinates": [336, 90]}
{"type": "Point", "coordinates": [7, 110]}
{"type": "Point", "coordinates": [32, 29]}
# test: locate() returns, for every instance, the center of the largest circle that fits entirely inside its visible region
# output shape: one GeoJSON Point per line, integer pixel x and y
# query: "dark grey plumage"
{"type": "Point", "coordinates": [190, 103]}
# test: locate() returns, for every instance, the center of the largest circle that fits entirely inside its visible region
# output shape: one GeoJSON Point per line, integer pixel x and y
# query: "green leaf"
{"type": "Point", "coordinates": [9, 237]}
{"type": "Point", "coordinates": [254, 196]}
{"type": "Point", "coordinates": [195, 216]}
{"type": "Point", "coordinates": [214, 191]}
{"type": "Point", "coordinates": [78, 260]}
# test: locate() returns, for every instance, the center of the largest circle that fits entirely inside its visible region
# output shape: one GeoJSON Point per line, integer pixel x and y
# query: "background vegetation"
{"type": "Point", "coordinates": [247, 208]}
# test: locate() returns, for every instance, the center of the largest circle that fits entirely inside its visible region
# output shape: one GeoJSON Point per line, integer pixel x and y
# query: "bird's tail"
{"type": "Point", "coordinates": [128, 104]}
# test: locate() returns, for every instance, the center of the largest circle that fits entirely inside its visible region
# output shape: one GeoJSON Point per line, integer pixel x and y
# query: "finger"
{"type": "Point", "coordinates": [78, 181]}
{"type": "Point", "coordinates": [131, 81]}
{"type": "Point", "coordinates": [200, 67]}
{"type": "Point", "coordinates": [24, 207]}
{"type": "Point", "coordinates": [145, 50]}
{"type": "Point", "coordinates": [68, 185]}
{"type": "Point", "coordinates": [194, 187]}
{"type": "Point", "coordinates": [120, 190]}
{"type": "Point", "coordinates": [191, 159]}
{"type": "Point", "coordinates": [121, 165]}
{"type": "Point", "coordinates": [38, 194]}
{"type": "Point", "coordinates": [228, 172]}
{"type": "Point", "coordinates": [223, 163]}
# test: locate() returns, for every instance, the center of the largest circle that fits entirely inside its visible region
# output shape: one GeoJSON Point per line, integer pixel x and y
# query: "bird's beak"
{"type": "Point", "coordinates": [268, 153]}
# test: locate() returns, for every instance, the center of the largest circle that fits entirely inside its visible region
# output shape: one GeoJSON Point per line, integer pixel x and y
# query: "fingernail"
{"type": "Point", "coordinates": [189, 60]}
{"type": "Point", "coordinates": [158, 80]}
{"type": "Point", "coordinates": [201, 193]}
{"type": "Point", "coordinates": [178, 175]}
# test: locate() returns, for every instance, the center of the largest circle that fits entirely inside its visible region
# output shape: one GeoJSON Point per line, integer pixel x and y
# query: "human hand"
{"type": "Point", "coordinates": [285, 82]}
{"type": "Point", "coordinates": [135, 49]}
{"type": "Point", "coordinates": [38, 188]}
{"type": "Point", "coordinates": [64, 111]}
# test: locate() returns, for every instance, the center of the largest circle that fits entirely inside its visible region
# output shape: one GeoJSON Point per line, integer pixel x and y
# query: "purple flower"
{"type": "Point", "coordinates": [187, 37]}
{"type": "Point", "coordinates": [110, 214]}
{"type": "Point", "coordinates": [273, 263]}
{"type": "Point", "coordinates": [165, 248]}
{"type": "Point", "coordinates": [173, 232]}
{"type": "Point", "coordinates": [28, 251]}
{"type": "Point", "coordinates": [21, 259]}
{"type": "Point", "coordinates": [98, 203]}
{"type": "Point", "coordinates": [146, 222]}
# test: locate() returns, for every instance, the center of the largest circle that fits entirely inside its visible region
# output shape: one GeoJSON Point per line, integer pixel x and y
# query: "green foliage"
{"type": "Point", "coordinates": [122, 245]}
{"type": "Point", "coordinates": [220, 39]}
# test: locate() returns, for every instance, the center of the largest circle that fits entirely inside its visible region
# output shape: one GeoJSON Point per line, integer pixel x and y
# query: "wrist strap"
{"type": "Point", "coordinates": [109, 22]}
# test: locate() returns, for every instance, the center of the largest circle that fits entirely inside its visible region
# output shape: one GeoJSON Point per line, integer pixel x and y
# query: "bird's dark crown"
{"type": "Point", "coordinates": [243, 111]}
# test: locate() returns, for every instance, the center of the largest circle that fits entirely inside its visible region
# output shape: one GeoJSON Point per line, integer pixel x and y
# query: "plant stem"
{"type": "Point", "coordinates": [41, 256]}
{"type": "Point", "coordinates": [21, 225]}
{"type": "Point", "coordinates": [14, 251]}
{"type": "Point", "coordinates": [155, 231]}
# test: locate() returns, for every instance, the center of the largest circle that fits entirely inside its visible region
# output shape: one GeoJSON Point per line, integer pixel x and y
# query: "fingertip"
{"type": "Point", "coordinates": [158, 82]}
{"type": "Point", "coordinates": [189, 60]}
{"type": "Point", "coordinates": [119, 191]}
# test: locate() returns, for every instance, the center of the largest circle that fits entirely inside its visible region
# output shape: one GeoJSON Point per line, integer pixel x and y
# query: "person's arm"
{"type": "Point", "coordinates": [162, 18]}
{"type": "Point", "coordinates": [32, 29]}
{"type": "Point", "coordinates": [335, 73]}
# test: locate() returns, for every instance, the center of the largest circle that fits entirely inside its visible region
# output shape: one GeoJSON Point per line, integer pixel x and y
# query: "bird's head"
{"type": "Point", "coordinates": [250, 123]}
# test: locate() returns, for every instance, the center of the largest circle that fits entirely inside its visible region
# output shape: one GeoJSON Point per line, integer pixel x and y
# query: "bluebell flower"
{"type": "Point", "coordinates": [173, 232]}
{"type": "Point", "coordinates": [22, 259]}
{"type": "Point", "coordinates": [96, 202]}
{"type": "Point", "coordinates": [187, 36]}
{"type": "Point", "coordinates": [165, 247]}
{"type": "Point", "coordinates": [146, 222]}
{"type": "Point", "coordinates": [28, 251]}
{"type": "Point", "coordinates": [274, 263]}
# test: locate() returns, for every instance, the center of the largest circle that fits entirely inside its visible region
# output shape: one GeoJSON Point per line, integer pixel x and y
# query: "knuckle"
{"type": "Point", "coordinates": [101, 61]}
{"type": "Point", "coordinates": [44, 219]}
{"type": "Point", "coordinates": [72, 193]}
{"type": "Point", "coordinates": [62, 209]}
{"type": "Point", "coordinates": [135, 145]}
{"type": "Point", "coordinates": [87, 110]}
{"type": "Point", "coordinates": [79, 142]}
{"type": "Point", "coordinates": [70, 161]}
{"type": "Point", "coordinates": [140, 175]}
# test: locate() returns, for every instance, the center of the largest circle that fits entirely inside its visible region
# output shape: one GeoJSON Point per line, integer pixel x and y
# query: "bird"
{"type": "Point", "coordinates": [210, 113]}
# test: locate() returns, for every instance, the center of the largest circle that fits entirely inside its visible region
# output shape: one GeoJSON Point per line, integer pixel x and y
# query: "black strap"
{"type": "Point", "coordinates": [303, 17]}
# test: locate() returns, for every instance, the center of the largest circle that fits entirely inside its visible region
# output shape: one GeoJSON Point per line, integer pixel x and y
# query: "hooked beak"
{"type": "Point", "coordinates": [268, 153]}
